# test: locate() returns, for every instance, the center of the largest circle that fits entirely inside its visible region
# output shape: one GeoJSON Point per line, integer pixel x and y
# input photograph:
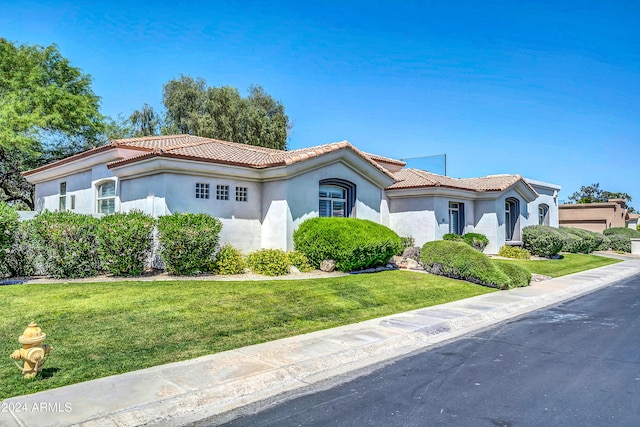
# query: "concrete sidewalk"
{"type": "Point", "coordinates": [219, 385]}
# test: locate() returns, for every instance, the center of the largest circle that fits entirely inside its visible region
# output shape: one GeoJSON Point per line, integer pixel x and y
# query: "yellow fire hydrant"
{"type": "Point", "coordinates": [33, 353]}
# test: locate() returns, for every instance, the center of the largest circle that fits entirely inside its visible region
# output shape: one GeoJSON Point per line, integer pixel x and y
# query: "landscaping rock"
{"type": "Point", "coordinates": [412, 264]}
{"type": "Point", "coordinates": [328, 265]}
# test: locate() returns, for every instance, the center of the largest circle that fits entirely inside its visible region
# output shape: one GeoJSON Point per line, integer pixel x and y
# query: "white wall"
{"type": "Point", "coordinates": [413, 217]}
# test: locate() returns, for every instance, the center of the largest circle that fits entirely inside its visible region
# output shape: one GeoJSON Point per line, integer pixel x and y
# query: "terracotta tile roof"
{"type": "Point", "coordinates": [415, 178]}
{"type": "Point", "coordinates": [216, 151]}
{"type": "Point", "coordinates": [384, 159]}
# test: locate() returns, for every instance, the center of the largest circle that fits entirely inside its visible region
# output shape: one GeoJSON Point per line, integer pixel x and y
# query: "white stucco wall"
{"type": "Point", "coordinates": [547, 196]}
{"type": "Point", "coordinates": [413, 217]}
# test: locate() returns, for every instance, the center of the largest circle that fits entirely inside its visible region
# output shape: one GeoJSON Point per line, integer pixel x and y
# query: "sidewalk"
{"type": "Point", "coordinates": [215, 385]}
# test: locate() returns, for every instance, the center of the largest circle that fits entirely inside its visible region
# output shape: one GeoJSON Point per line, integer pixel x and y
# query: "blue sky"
{"type": "Point", "coordinates": [546, 89]}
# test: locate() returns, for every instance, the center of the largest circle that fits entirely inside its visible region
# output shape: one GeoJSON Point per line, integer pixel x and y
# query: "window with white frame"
{"type": "Point", "coordinates": [333, 201]}
{"type": "Point", "coordinates": [241, 194]}
{"type": "Point", "coordinates": [543, 214]}
{"type": "Point", "coordinates": [202, 190]}
{"type": "Point", "coordinates": [62, 203]}
{"type": "Point", "coordinates": [222, 192]}
{"type": "Point", "coordinates": [107, 197]}
{"type": "Point", "coordinates": [456, 218]}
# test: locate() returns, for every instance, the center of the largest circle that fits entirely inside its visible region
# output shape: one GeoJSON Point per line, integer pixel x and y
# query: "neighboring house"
{"type": "Point", "coordinates": [594, 216]}
{"type": "Point", "coordinates": [262, 195]}
{"type": "Point", "coordinates": [632, 222]}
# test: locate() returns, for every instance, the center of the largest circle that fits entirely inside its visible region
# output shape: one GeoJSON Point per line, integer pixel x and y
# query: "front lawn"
{"type": "Point", "coordinates": [568, 264]}
{"type": "Point", "coordinates": [101, 329]}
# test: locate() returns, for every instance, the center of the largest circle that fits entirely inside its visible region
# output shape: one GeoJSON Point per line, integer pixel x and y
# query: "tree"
{"type": "Point", "coordinates": [593, 194]}
{"type": "Point", "coordinates": [145, 122]}
{"type": "Point", "coordinates": [47, 111]}
{"type": "Point", "coordinates": [222, 113]}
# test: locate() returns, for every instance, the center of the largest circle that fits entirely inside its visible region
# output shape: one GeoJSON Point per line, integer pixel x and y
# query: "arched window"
{"type": "Point", "coordinates": [543, 214]}
{"type": "Point", "coordinates": [511, 219]}
{"type": "Point", "coordinates": [336, 198]}
{"type": "Point", "coordinates": [107, 197]}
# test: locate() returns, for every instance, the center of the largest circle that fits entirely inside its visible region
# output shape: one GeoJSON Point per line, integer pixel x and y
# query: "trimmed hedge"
{"type": "Point", "coordinates": [354, 244]}
{"type": "Point", "coordinates": [125, 242]}
{"type": "Point", "coordinates": [624, 231]}
{"type": "Point", "coordinates": [514, 252]}
{"type": "Point", "coordinates": [620, 243]}
{"type": "Point", "coordinates": [453, 237]}
{"type": "Point", "coordinates": [69, 243]}
{"type": "Point", "coordinates": [270, 262]}
{"type": "Point", "coordinates": [542, 240]}
{"type": "Point", "coordinates": [188, 242]}
{"type": "Point", "coordinates": [476, 240]}
{"type": "Point", "coordinates": [519, 276]}
{"type": "Point", "coordinates": [9, 223]}
{"type": "Point", "coordinates": [460, 261]}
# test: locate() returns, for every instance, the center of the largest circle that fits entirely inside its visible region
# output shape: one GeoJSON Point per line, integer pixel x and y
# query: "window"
{"type": "Point", "coordinates": [456, 218]}
{"type": "Point", "coordinates": [511, 219]}
{"type": "Point", "coordinates": [222, 192]}
{"type": "Point", "coordinates": [202, 190]}
{"type": "Point", "coordinates": [62, 205]}
{"type": "Point", "coordinates": [241, 194]}
{"type": "Point", "coordinates": [333, 201]}
{"type": "Point", "coordinates": [73, 201]}
{"type": "Point", "coordinates": [543, 215]}
{"type": "Point", "coordinates": [107, 197]}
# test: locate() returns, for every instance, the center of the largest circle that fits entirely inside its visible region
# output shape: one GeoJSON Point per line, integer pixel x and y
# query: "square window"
{"type": "Point", "coordinates": [222, 192]}
{"type": "Point", "coordinates": [202, 190]}
{"type": "Point", "coordinates": [241, 194]}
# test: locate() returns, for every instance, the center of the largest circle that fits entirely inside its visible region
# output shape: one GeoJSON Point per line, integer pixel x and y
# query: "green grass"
{"type": "Point", "coordinates": [568, 264]}
{"type": "Point", "coordinates": [100, 329]}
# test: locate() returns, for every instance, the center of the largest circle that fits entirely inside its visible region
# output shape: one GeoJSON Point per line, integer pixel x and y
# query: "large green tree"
{"type": "Point", "coordinates": [47, 111]}
{"type": "Point", "coordinates": [593, 194]}
{"type": "Point", "coordinates": [222, 113]}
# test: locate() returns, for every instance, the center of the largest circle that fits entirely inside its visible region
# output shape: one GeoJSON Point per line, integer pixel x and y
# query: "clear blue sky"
{"type": "Point", "coordinates": [546, 89]}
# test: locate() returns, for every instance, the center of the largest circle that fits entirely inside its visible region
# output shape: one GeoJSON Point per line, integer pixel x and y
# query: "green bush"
{"type": "Point", "coordinates": [460, 261]}
{"type": "Point", "coordinates": [354, 244]}
{"type": "Point", "coordinates": [229, 260]}
{"type": "Point", "coordinates": [407, 242]}
{"type": "Point", "coordinates": [620, 243]}
{"type": "Point", "coordinates": [589, 240]}
{"type": "Point", "coordinates": [453, 237]}
{"type": "Point", "coordinates": [518, 276]}
{"type": "Point", "coordinates": [188, 242]}
{"type": "Point", "coordinates": [299, 261]}
{"type": "Point", "coordinates": [514, 252]}
{"type": "Point", "coordinates": [476, 240]}
{"type": "Point", "coordinates": [625, 231]}
{"type": "Point", "coordinates": [571, 242]}
{"type": "Point", "coordinates": [605, 245]}
{"type": "Point", "coordinates": [542, 240]}
{"type": "Point", "coordinates": [69, 243]}
{"type": "Point", "coordinates": [270, 262]}
{"type": "Point", "coordinates": [25, 256]}
{"type": "Point", "coordinates": [125, 242]}
{"type": "Point", "coordinates": [9, 223]}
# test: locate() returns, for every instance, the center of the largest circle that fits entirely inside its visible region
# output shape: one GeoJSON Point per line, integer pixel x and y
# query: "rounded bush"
{"type": "Point", "coordinates": [476, 240]}
{"type": "Point", "coordinates": [354, 244]}
{"type": "Point", "coordinates": [605, 245]}
{"type": "Point", "coordinates": [460, 261]}
{"type": "Point", "coordinates": [625, 231]}
{"type": "Point", "coordinates": [125, 242]}
{"type": "Point", "coordinates": [188, 242]}
{"type": "Point", "coordinates": [453, 237]}
{"type": "Point", "coordinates": [299, 261]}
{"type": "Point", "coordinates": [69, 243]}
{"type": "Point", "coordinates": [571, 242]}
{"type": "Point", "coordinates": [229, 260]}
{"type": "Point", "coordinates": [514, 252]}
{"type": "Point", "coordinates": [270, 262]}
{"type": "Point", "coordinates": [620, 243]}
{"type": "Point", "coordinates": [518, 276]}
{"type": "Point", "coordinates": [25, 256]}
{"type": "Point", "coordinates": [542, 240]}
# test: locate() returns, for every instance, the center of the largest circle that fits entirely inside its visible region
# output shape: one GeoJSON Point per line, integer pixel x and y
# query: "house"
{"type": "Point", "coordinates": [262, 195]}
{"type": "Point", "coordinates": [594, 216]}
{"type": "Point", "coordinates": [632, 221]}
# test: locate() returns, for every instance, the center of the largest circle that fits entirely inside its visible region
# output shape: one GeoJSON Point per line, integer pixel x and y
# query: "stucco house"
{"type": "Point", "coordinates": [596, 216]}
{"type": "Point", "coordinates": [261, 195]}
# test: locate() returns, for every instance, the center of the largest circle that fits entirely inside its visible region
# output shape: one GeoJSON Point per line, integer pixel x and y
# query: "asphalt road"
{"type": "Point", "coordinates": [575, 364]}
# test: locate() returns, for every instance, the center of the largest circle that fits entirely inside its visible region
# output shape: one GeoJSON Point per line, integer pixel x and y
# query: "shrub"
{"type": "Point", "coordinates": [625, 231]}
{"type": "Point", "coordinates": [453, 237]}
{"type": "Point", "coordinates": [125, 242]}
{"type": "Point", "coordinates": [590, 241]}
{"type": "Point", "coordinates": [299, 261]}
{"type": "Point", "coordinates": [270, 262]}
{"type": "Point", "coordinates": [571, 242]}
{"type": "Point", "coordinates": [25, 256]}
{"type": "Point", "coordinates": [476, 240]}
{"type": "Point", "coordinates": [605, 245]}
{"type": "Point", "coordinates": [514, 252]}
{"type": "Point", "coordinates": [460, 261]}
{"type": "Point", "coordinates": [413, 253]}
{"type": "Point", "coordinates": [229, 260]}
{"type": "Point", "coordinates": [188, 242]}
{"type": "Point", "coordinates": [69, 243]}
{"type": "Point", "coordinates": [406, 242]}
{"type": "Point", "coordinates": [354, 244]}
{"type": "Point", "coordinates": [620, 243]}
{"type": "Point", "coordinates": [518, 276]}
{"type": "Point", "coordinates": [9, 223]}
{"type": "Point", "coordinates": [542, 240]}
